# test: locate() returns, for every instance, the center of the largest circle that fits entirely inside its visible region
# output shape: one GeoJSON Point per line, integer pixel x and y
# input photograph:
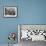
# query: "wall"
{"type": "Point", "coordinates": [7, 25]}
{"type": "Point", "coordinates": [29, 12]}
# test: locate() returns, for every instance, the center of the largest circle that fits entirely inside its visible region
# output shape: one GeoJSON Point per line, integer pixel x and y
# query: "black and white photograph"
{"type": "Point", "coordinates": [33, 32]}
{"type": "Point", "coordinates": [10, 11]}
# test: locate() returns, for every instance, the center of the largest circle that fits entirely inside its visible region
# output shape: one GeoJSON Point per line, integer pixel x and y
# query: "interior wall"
{"type": "Point", "coordinates": [7, 25]}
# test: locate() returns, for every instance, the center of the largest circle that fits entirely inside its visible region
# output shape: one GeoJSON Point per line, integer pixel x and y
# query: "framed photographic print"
{"type": "Point", "coordinates": [33, 32]}
{"type": "Point", "coordinates": [10, 11]}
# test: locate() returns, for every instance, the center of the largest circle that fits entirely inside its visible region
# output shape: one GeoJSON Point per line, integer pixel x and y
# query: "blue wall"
{"type": "Point", "coordinates": [29, 12]}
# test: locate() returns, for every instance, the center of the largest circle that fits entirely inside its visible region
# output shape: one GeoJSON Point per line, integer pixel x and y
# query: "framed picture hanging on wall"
{"type": "Point", "coordinates": [10, 11]}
